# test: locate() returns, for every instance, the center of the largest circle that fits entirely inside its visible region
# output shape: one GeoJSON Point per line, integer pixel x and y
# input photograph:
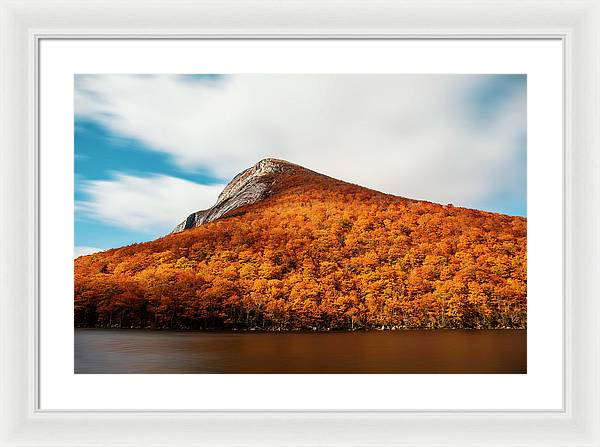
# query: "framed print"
{"type": "Point", "coordinates": [292, 275]}
{"type": "Point", "coordinates": [335, 226]}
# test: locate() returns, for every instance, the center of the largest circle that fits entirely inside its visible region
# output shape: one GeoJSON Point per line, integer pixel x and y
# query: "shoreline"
{"type": "Point", "coordinates": [291, 331]}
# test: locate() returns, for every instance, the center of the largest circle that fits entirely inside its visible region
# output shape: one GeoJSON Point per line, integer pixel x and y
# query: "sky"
{"type": "Point", "coordinates": [151, 149]}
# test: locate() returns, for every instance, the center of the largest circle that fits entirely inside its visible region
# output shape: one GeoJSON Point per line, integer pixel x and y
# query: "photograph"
{"type": "Point", "coordinates": [310, 223]}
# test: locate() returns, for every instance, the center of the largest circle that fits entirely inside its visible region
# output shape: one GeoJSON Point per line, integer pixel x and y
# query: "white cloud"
{"type": "Point", "coordinates": [83, 251]}
{"type": "Point", "coordinates": [410, 135]}
{"type": "Point", "coordinates": [149, 204]}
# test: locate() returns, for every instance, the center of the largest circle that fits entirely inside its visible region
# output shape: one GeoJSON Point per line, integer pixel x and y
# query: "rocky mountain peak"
{"type": "Point", "coordinates": [264, 167]}
{"type": "Point", "coordinates": [248, 187]}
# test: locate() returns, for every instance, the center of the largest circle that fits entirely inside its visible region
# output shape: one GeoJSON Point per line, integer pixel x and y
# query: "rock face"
{"type": "Point", "coordinates": [250, 186]}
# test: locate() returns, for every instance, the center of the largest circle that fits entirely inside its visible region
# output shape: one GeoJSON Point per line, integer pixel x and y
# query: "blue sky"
{"type": "Point", "coordinates": [150, 149]}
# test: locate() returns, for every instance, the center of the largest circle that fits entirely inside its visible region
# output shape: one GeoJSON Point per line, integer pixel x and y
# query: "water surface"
{"type": "Point", "coordinates": [119, 351]}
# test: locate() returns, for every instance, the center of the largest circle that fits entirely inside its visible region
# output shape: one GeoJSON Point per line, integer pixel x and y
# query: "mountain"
{"type": "Point", "coordinates": [288, 248]}
{"type": "Point", "coordinates": [265, 178]}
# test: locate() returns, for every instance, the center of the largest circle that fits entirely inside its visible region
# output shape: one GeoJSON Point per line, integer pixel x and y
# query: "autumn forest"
{"type": "Point", "coordinates": [316, 254]}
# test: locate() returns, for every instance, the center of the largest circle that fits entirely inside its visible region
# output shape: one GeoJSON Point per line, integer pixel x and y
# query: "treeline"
{"type": "Point", "coordinates": [321, 255]}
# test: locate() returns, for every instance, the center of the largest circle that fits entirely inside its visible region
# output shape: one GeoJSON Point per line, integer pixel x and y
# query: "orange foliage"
{"type": "Point", "coordinates": [320, 254]}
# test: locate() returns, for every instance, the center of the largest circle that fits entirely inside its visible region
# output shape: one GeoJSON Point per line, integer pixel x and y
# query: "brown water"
{"type": "Point", "coordinates": [117, 351]}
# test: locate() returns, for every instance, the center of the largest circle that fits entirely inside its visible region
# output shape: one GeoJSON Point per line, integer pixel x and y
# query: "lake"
{"type": "Point", "coordinates": [121, 351]}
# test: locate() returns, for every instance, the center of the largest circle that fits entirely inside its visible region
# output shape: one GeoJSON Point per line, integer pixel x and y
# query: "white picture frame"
{"type": "Point", "coordinates": [24, 23]}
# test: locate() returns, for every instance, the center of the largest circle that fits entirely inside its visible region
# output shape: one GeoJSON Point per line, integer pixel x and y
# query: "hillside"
{"type": "Point", "coordinates": [288, 248]}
